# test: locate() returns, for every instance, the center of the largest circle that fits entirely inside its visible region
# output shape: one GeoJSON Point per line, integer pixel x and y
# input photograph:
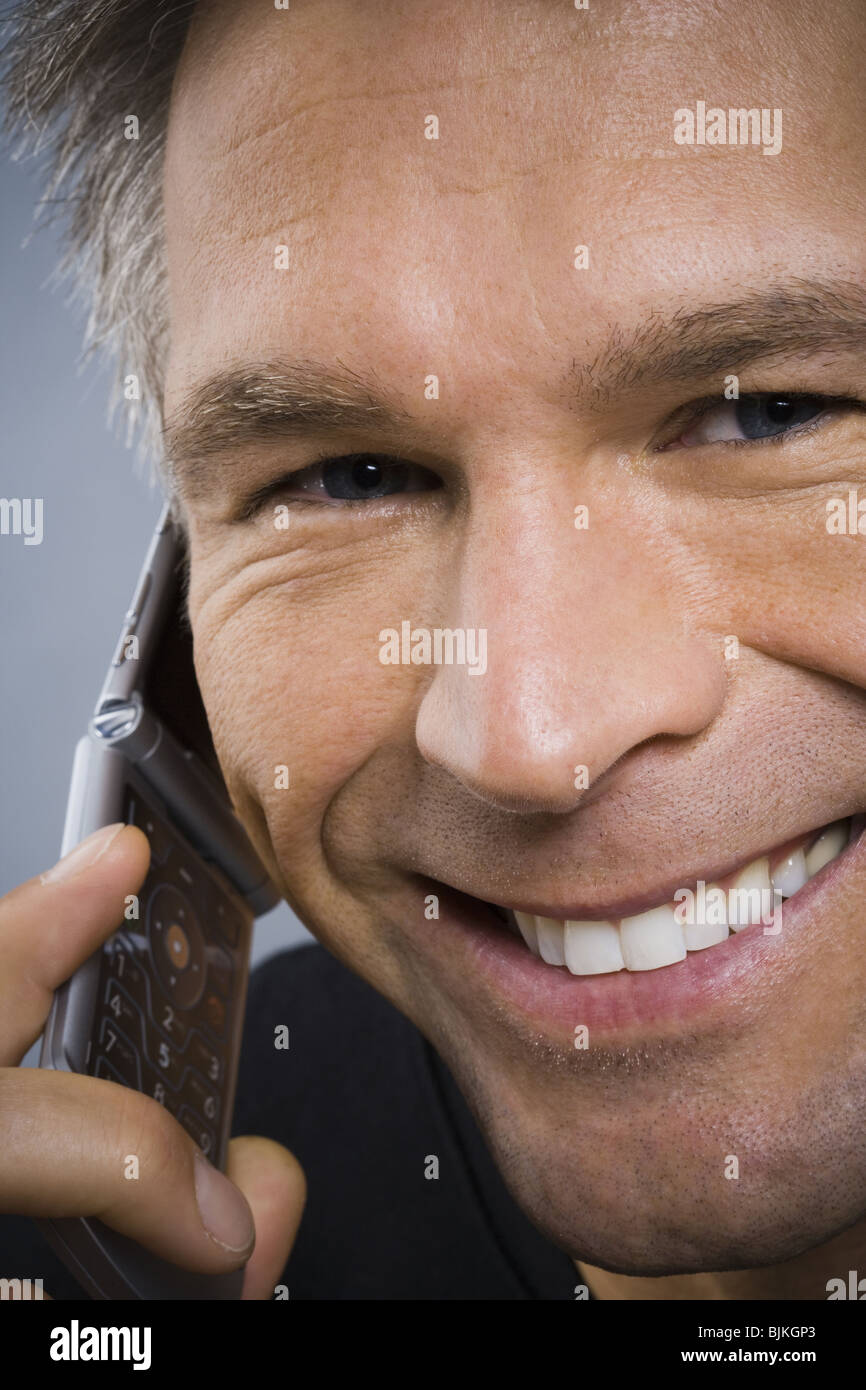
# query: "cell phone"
{"type": "Point", "coordinates": [160, 1007]}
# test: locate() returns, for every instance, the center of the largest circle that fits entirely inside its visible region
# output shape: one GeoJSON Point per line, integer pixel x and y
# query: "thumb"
{"type": "Point", "coordinates": [273, 1183]}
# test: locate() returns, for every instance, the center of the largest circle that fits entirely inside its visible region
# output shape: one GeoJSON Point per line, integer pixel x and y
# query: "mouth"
{"type": "Point", "coordinates": [696, 918]}
{"type": "Point", "coordinates": [706, 955]}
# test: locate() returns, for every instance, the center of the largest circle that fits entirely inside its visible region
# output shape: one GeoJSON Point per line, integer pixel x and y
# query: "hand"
{"type": "Point", "coordinates": [66, 1136]}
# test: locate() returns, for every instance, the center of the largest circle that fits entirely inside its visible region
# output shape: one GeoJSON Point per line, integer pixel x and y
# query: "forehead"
{"type": "Point", "coordinates": [305, 128]}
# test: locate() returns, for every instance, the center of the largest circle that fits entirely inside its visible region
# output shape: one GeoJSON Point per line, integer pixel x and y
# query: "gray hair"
{"type": "Point", "coordinates": [73, 70]}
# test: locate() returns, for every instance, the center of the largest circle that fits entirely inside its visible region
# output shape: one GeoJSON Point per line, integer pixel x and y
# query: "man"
{"type": "Point", "coordinates": [512, 362]}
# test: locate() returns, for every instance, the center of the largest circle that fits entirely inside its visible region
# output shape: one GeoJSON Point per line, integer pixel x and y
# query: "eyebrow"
{"type": "Point", "coordinates": [800, 316]}
{"type": "Point", "coordinates": [252, 402]}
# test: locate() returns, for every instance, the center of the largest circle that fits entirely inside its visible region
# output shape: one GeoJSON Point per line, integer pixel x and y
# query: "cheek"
{"type": "Point", "coordinates": [297, 697]}
{"type": "Point", "coordinates": [772, 575]}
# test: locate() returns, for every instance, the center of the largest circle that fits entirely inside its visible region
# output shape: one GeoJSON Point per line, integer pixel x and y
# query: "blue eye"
{"type": "Point", "coordinates": [363, 476]}
{"type": "Point", "coordinates": [759, 416]}
{"type": "Point", "coordinates": [753, 417]}
{"type": "Point", "coordinates": [350, 478]}
{"type": "Point", "coordinates": [359, 478]}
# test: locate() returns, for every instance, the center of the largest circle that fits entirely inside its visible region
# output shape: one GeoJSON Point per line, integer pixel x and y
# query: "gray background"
{"type": "Point", "coordinates": [63, 600]}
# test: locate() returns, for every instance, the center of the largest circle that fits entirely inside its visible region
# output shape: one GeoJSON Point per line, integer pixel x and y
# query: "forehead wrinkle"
{"type": "Point", "coordinates": [375, 93]}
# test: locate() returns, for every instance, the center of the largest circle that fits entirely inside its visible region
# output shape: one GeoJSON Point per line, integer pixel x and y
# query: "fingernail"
{"type": "Point", "coordinates": [84, 854]}
{"type": "Point", "coordinates": [222, 1206]}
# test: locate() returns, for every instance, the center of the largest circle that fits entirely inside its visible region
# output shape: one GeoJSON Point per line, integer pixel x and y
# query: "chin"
{"type": "Point", "coordinates": [651, 1200]}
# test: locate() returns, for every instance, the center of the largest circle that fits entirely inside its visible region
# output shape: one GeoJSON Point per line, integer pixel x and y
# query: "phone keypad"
{"type": "Point", "coordinates": [176, 945]}
{"type": "Point", "coordinates": [166, 993]}
{"type": "Point", "coordinates": [160, 837]}
{"type": "Point", "coordinates": [194, 1125]}
{"type": "Point", "coordinates": [206, 1059]}
{"type": "Point", "coordinates": [120, 1052]}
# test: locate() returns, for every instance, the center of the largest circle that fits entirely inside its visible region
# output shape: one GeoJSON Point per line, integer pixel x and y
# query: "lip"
{"type": "Point", "coordinates": [483, 966]}
{"type": "Point", "coordinates": [631, 906]}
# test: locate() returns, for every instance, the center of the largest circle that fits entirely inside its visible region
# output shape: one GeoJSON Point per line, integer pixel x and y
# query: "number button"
{"type": "Point", "coordinates": [120, 1053]}
{"type": "Point", "coordinates": [124, 1012]}
{"type": "Point", "coordinates": [158, 1088]}
{"type": "Point", "coordinates": [172, 1024]}
{"type": "Point", "coordinates": [203, 1057]}
{"type": "Point", "coordinates": [195, 1125]}
{"type": "Point", "coordinates": [164, 1059]}
{"type": "Point", "coordinates": [201, 1095]}
{"type": "Point", "coordinates": [124, 969]}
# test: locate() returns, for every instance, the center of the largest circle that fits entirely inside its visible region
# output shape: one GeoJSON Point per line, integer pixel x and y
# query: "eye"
{"type": "Point", "coordinates": [751, 418]}
{"type": "Point", "coordinates": [360, 476]}
{"type": "Point", "coordinates": [351, 478]}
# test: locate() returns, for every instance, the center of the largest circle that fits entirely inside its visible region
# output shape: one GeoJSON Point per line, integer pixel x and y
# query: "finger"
{"type": "Point", "coordinates": [80, 1146]}
{"type": "Point", "coordinates": [273, 1183]}
{"type": "Point", "coordinates": [52, 923]}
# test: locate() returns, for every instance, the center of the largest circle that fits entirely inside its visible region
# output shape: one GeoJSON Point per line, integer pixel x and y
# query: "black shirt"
{"type": "Point", "coordinates": [364, 1102]}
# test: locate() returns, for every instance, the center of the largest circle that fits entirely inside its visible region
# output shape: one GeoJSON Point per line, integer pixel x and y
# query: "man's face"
{"type": "Point", "coordinates": [610, 632]}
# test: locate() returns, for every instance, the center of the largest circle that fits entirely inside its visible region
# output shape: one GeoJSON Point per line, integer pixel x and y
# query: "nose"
{"type": "Point", "coordinates": [590, 653]}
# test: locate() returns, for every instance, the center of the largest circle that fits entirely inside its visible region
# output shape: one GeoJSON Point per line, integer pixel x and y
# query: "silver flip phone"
{"type": "Point", "coordinates": [160, 1007]}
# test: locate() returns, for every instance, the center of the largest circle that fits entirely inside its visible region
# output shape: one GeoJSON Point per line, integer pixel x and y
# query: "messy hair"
{"type": "Point", "coordinates": [73, 71]}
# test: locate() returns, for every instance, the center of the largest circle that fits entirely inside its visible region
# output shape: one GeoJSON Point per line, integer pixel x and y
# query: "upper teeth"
{"type": "Point", "coordinates": [656, 938]}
